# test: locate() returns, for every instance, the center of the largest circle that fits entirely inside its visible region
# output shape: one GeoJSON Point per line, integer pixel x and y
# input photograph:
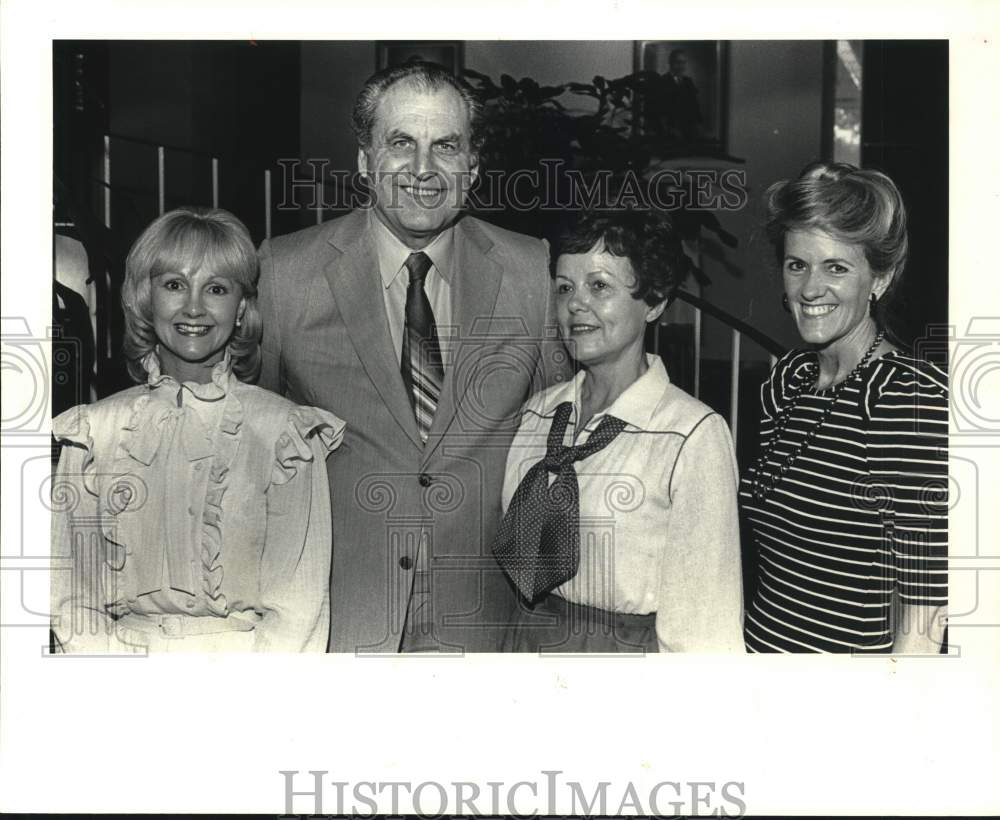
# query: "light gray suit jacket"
{"type": "Point", "coordinates": [327, 344]}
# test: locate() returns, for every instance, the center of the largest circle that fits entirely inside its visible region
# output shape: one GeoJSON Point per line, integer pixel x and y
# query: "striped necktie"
{"type": "Point", "coordinates": [538, 544]}
{"type": "Point", "coordinates": [420, 362]}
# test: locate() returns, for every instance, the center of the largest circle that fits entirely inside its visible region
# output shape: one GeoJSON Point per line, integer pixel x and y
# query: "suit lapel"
{"type": "Point", "coordinates": [352, 274]}
{"type": "Point", "coordinates": [475, 285]}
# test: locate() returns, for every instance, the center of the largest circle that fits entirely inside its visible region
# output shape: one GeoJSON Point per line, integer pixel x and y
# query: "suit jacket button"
{"type": "Point", "coordinates": [406, 562]}
{"type": "Point", "coordinates": [424, 479]}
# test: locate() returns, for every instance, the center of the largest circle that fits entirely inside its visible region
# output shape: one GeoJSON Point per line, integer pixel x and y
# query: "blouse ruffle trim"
{"type": "Point", "coordinates": [211, 530]}
{"type": "Point", "coordinates": [140, 442]}
{"type": "Point", "coordinates": [293, 446]}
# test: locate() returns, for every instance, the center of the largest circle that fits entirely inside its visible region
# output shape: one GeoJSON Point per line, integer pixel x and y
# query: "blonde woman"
{"type": "Point", "coordinates": [191, 512]}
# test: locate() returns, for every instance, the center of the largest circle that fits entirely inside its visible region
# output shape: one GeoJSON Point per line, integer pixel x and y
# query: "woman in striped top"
{"type": "Point", "coordinates": [847, 501]}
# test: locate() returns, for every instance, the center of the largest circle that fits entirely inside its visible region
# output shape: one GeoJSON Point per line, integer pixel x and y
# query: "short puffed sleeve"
{"type": "Point", "coordinates": [79, 622]}
{"type": "Point", "coordinates": [72, 428]}
{"type": "Point", "coordinates": [295, 563]}
{"type": "Point", "coordinates": [309, 432]}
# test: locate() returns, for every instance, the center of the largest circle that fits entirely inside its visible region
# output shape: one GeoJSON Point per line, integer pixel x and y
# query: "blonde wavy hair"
{"type": "Point", "coordinates": [183, 241]}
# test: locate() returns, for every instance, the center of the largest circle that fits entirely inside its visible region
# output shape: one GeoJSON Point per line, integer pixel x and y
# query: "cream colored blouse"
{"type": "Point", "coordinates": [192, 517]}
{"type": "Point", "coordinates": [658, 519]}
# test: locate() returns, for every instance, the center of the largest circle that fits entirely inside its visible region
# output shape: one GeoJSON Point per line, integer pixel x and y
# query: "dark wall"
{"type": "Point", "coordinates": [234, 100]}
{"type": "Point", "coordinates": [332, 75]}
{"type": "Point", "coordinates": [79, 118]}
{"type": "Point", "coordinates": [237, 101]}
{"type": "Point", "coordinates": [904, 133]}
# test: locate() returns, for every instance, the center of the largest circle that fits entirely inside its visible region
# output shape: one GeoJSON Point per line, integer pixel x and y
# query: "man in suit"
{"type": "Point", "coordinates": [424, 329]}
{"type": "Point", "coordinates": [682, 109]}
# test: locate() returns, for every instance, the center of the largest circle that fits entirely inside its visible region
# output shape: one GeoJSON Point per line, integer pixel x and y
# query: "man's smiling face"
{"type": "Point", "coordinates": [420, 160]}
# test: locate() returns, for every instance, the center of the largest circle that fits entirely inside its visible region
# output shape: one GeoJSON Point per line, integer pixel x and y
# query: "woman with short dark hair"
{"type": "Point", "coordinates": [620, 528]}
{"type": "Point", "coordinates": [191, 512]}
{"type": "Point", "coordinates": [847, 501]}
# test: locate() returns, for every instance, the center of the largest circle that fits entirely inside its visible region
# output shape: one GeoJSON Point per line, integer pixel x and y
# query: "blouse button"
{"type": "Point", "coordinates": [189, 604]}
{"type": "Point", "coordinates": [191, 511]}
{"type": "Point", "coordinates": [406, 562]}
{"type": "Point", "coordinates": [197, 468]}
{"type": "Point", "coordinates": [424, 480]}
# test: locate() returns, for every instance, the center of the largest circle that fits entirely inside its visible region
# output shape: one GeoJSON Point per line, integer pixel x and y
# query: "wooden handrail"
{"type": "Point", "coordinates": [751, 332]}
{"type": "Point", "coordinates": [152, 144]}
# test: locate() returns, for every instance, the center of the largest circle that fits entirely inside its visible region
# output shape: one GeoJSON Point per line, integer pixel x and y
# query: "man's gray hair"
{"type": "Point", "coordinates": [426, 77]}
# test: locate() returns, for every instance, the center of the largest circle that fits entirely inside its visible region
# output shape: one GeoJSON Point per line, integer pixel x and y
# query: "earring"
{"type": "Point", "coordinates": [784, 303]}
{"type": "Point", "coordinates": [873, 304]}
{"type": "Point", "coordinates": [239, 323]}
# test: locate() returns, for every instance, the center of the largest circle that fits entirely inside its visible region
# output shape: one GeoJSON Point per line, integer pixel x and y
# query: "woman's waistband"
{"type": "Point", "coordinates": [179, 626]}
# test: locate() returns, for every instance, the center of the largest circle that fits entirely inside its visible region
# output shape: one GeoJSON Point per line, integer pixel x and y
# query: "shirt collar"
{"type": "Point", "coordinates": [392, 253]}
{"type": "Point", "coordinates": [635, 406]}
{"type": "Point", "coordinates": [639, 401]}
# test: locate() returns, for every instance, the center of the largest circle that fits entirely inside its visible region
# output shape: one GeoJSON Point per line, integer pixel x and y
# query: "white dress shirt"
{"type": "Point", "coordinates": [392, 255]}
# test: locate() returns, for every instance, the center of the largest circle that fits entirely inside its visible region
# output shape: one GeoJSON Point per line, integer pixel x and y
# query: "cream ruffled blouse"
{"type": "Point", "coordinates": [193, 517]}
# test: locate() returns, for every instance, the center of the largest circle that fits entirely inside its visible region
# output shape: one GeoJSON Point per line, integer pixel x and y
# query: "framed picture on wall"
{"type": "Point", "coordinates": [449, 53]}
{"type": "Point", "coordinates": [683, 102]}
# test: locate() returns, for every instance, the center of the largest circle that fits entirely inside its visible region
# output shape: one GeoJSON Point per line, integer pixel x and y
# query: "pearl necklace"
{"type": "Point", "coordinates": [764, 481]}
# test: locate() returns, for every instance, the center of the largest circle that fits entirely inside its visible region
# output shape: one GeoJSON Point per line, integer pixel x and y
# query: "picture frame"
{"type": "Point", "coordinates": [684, 106]}
{"type": "Point", "coordinates": [449, 53]}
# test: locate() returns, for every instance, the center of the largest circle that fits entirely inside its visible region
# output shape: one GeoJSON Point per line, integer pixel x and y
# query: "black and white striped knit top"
{"type": "Point", "coordinates": [860, 513]}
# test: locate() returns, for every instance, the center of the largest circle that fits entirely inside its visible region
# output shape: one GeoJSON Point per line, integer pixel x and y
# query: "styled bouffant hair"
{"type": "Point", "coordinates": [645, 237]}
{"type": "Point", "coordinates": [853, 205]}
{"type": "Point", "coordinates": [183, 241]}
{"type": "Point", "coordinates": [425, 76]}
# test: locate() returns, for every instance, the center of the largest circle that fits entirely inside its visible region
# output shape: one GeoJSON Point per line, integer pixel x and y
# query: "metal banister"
{"type": "Point", "coordinates": [765, 341]}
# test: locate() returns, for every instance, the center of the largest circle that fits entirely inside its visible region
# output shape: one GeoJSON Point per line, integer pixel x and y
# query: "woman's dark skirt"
{"type": "Point", "coordinates": [556, 625]}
